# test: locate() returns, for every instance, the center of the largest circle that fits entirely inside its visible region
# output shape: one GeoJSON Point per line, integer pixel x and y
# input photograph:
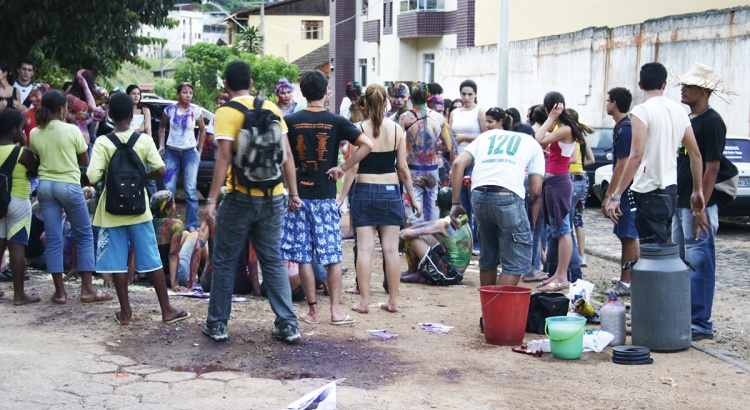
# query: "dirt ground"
{"type": "Point", "coordinates": [417, 369]}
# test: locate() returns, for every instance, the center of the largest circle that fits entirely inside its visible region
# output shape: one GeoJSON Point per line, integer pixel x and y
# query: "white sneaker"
{"type": "Point", "coordinates": [583, 261]}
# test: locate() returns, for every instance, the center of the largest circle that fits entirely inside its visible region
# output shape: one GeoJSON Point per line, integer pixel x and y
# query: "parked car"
{"type": "Point", "coordinates": [150, 96]}
{"type": "Point", "coordinates": [736, 149]}
{"type": "Point", "coordinates": [601, 145]}
{"type": "Point", "coordinates": [206, 167]}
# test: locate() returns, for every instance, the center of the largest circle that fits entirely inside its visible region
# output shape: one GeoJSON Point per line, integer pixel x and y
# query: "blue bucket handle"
{"type": "Point", "coordinates": [567, 338]}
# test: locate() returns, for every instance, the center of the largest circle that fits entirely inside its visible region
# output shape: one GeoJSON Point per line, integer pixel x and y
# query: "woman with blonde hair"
{"type": "Point", "coordinates": [376, 201]}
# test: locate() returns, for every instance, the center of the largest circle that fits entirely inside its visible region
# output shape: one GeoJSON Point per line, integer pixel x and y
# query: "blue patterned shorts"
{"type": "Point", "coordinates": [316, 227]}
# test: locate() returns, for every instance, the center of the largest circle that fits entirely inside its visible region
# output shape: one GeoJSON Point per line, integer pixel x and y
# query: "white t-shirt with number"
{"type": "Point", "coordinates": [666, 121]}
{"type": "Point", "coordinates": [501, 158]}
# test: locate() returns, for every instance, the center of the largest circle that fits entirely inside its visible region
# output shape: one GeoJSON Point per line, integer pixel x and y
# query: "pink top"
{"type": "Point", "coordinates": [557, 164]}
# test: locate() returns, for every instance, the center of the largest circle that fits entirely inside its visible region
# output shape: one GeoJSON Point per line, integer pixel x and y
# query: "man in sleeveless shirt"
{"type": "Point", "coordinates": [424, 128]}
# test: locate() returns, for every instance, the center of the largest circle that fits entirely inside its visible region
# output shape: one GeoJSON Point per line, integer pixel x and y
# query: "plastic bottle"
{"type": "Point", "coordinates": [463, 219]}
{"type": "Point", "coordinates": [613, 319]}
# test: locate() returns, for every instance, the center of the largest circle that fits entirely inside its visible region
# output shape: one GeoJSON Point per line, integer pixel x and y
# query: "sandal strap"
{"type": "Point", "coordinates": [312, 303]}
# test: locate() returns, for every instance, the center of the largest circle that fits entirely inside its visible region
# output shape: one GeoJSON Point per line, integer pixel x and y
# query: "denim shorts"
{"type": "Point", "coordinates": [314, 227]}
{"type": "Point", "coordinates": [16, 224]}
{"type": "Point", "coordinates": [554, 231]}
{"type": "Point", "coordinates": [114, 244]}
{"type": "Point", "coordinates": [377, 205]}
{"type": "Point", "coordinates": [504, 231]}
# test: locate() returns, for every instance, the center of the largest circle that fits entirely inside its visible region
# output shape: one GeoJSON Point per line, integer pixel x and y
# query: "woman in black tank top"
{"type": "Point", "coordinates": [377, 201]}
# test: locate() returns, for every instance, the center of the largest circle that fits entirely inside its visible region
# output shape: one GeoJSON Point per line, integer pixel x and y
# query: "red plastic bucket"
{"type": "Point", "coordinates": [504, 309]}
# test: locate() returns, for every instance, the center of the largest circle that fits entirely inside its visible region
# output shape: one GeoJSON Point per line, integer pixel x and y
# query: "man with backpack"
{"type": "Point", "coordinates": [123, 213]}
{"type": "Point", "coordinates": [315, 135]}
{"type": "Point", "coordinates": [253, 206]}
{"type": "Point", "coordinates": [617, 105]}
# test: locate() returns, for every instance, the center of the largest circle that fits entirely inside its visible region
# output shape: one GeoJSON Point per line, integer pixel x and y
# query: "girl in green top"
{"type": "Point", "coordinates": [62, 149]}
{"type": "Point", "coordinates": [15, 225]}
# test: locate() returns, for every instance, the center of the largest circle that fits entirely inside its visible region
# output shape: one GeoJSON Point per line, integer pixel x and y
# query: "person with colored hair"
{"type": "Point", "coordinates": [182, 151]}
{"type": "Point", "coordinates": [15, 225]}
{"type": "Point", "coordinates": [284, 90]}
{"type": "Point", "coordinates": [62, 149]}
{"type": "Point", "coordinates": [436, 246]}
{"type": "Point", "coordinates": [400, 93]}
{"type": "Point", "coordinates": [424, 130]}
{"type": "Point", "coordinates": [168, 230]}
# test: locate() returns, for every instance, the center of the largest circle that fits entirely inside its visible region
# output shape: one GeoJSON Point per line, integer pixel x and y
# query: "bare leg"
{"type": "Point", "coordinates": [60, 297]}
{"type": "Point", "coordinates": [18, 267]}
{"type": "Point", "coordinates": [487, 277]}
{"type": "Point", "coordinates": [168, 312]}
{"type": "Point", "coordinates": [121, 287]}
{"type": "Point", "coordinates": [564, 253]}
{"type": "Point", "coordinates": [581, 239]}
{"type": "Point", "coordinates": [307, 277]}
{"type": "Point", "coordinates": [334, 285]}
{"type": "Point", "coordinates": [630, 252]}
{"type": "Point", "coordinates": [389, 243]}
{"type": "Point", "coordinates": [509, 280]}
{"type": "Point", "coordinates": [365, 246]}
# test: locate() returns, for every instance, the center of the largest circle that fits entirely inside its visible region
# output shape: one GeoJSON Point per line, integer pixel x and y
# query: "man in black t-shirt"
{"type": "Point", "coordinates": [314, 136]}
{"type": "Point", "coordinates": [698, 248]}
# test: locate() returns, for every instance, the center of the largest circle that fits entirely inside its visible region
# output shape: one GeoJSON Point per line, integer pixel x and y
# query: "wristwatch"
{"type": "Point", "coordinates": [210, 201]}
{"type": "Point", "coordinates": [615, 198]}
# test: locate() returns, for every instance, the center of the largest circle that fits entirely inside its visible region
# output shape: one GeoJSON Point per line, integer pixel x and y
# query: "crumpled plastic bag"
{"type": "Point", "coordinates": [581, 287]}
{"type": "Point", "coordinates": [542, 344]}
{"type": "Point", "coordinates": [596, 340]}
{"type": "Point", "coordinates": [323, 398]}
{"type": "Point", "coordinates": [383, 334]}
{"type": "Point", "coordinates": [435, 327]}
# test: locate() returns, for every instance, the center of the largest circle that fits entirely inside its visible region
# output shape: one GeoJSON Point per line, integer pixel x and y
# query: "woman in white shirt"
{"type": "Point", "coordinates": [141, 114]}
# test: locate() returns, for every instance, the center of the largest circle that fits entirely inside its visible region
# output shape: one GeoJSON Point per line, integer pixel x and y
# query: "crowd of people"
{"type": "Point", "coordinates": [436, 179]}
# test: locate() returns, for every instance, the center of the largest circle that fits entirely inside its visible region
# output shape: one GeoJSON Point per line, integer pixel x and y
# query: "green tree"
{"type": "Point", "coordinates": [250, 40]}
{"type": "Point", "coordinates": [267, 71]}
{"type": "Point", "coordinates": [93, 34]}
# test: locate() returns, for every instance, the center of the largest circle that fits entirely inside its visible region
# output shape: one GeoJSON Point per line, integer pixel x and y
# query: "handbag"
{"type": "Point", "coordinates": [542, 306]}
{"type": "Point", "coordinates": [727, 182]}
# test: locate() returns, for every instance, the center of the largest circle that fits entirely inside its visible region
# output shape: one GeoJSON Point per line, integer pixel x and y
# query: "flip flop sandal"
{"type": "Point", "coordinates": [121, 322]}
{"type": "Point", "coordinates": [554, 287]}
{"type": "Point", "coordinates": [384, 306]}
{"type": "Point", "coordinates": [345, 321]}
{"type": "Point", "coordinates": [100, 297]}
{"type": "Point", "coordinates": [536, 278]}
{"type": "Point", "coordinates": [178, 319]}
{"type": "Point", "coordinates": [307, 320]}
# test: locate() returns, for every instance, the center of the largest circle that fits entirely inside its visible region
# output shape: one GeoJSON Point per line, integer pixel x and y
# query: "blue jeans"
{"type": "Point", "coordinates": [506, 232]}
{"type": "Point", "coordinates": [574, 268]}
{"type": "Point", "coordinates": [580, 192]}
{"type": "Point", "coordinates": [53, 197]}
{"type": "Point", "coordinates": [261, 219]}
{"type": "Point", "coordinates": [185, 161]}
{"type": "Point", "coordinates": [701, 253]}
{"type": "Point", "coordinates": [466, 203]}
{"type": "Point", "coordinates": [539, 241]}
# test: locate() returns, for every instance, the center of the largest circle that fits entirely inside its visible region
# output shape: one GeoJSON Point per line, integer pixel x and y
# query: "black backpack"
{"type": "Point", "coordinates": [542, 306]}
{"type": "Point", "coordinates": [260, 149]}
{"type": "Point", "coordinates": [126, 179]}
{"type": "Point", "coordinates": [6, 179]}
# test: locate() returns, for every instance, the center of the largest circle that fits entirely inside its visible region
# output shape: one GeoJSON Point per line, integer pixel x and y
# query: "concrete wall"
{"type": "Point", "coordinates": [284, 35]}
{"type": "Point", "coordinates": [538, 18]}
{"type": "Point", "coordinates": [585, 64]}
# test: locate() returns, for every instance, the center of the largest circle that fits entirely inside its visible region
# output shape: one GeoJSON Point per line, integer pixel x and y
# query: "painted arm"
{"type": "Point", "coordinates": [201, 134]}
{"type": "Point", "coordinates": [404, 173]}
{"type": "Point", "coordinates": [457, 179]}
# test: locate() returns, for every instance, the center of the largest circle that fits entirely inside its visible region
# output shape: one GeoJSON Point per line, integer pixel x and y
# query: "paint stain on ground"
{"type": "Point", "coordinates": [363, 362]}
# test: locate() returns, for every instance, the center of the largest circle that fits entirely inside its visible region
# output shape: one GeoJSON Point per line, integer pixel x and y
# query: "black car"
{"type": "Point", "coordinates": [206, 167]}
{"type": "Point", "coordinates": [601, 145]}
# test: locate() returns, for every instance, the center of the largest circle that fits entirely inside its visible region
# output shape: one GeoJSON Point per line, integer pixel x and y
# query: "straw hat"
{"type": "Point", "coordinates": [703, 76]}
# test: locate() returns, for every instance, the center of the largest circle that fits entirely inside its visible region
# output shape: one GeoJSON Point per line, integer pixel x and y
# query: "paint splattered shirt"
{"type": "Point", "coordinates": [182, 126]}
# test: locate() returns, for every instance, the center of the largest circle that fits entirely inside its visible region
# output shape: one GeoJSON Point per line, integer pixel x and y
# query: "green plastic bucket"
{"type": "Point", "coordinates": [565, 336]}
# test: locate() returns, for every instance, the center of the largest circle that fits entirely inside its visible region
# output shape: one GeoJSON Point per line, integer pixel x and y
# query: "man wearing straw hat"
{"type": "Point", "coordinates": [710, 133]}
{"type": "Point", "coordinates": [658, 126]}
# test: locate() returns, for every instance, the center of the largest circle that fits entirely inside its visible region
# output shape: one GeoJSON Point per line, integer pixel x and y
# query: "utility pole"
{"type": "Point", "coordinates": [503, 49]}
{"type": "Point", "coordinates": [262, 27]}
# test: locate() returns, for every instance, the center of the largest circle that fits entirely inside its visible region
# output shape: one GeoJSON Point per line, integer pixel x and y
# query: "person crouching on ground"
{"type": "Point", "coordinates": [118, 230]}
{"type": "Point", "coordinates": [435, 250]}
